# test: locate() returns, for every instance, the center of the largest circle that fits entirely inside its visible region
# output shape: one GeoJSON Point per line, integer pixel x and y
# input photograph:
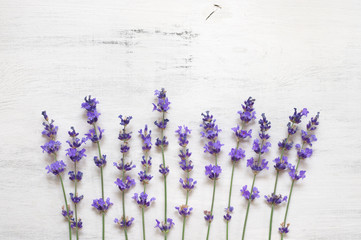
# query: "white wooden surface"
{"type": "Point", "coordinates": [283, 53]}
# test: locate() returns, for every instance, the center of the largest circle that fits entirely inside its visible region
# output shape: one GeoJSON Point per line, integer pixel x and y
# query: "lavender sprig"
{"type": "Point", "coordinates": [256, 165]}
{"type": "Point", "coordinates": [75, 155]}
{"type": "Point", "coordinates": [126, 182]}
{"type": "Point", "coordinates": [303, 152]}
{"type": "Point", "coordinates": [186, 165]}
{"type": "Point", "coordinates": [281, 163]}
{"type": "Point", "coordinates": [236, 154]}
{"type": "Point", "coordinates": [213, 146]}
{"type": "Point", "coordinates": [95, 135]}
{"type": "Point", "coordinates": [144, 176]}
{"type": "Point", "coordinates": [57, 167]}
{"type": "Point", "coordinates": [162, 106]}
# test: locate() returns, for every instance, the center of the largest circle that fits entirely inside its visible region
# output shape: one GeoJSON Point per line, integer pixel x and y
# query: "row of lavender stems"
{"type": "Point", "coordinates": [210, 131]}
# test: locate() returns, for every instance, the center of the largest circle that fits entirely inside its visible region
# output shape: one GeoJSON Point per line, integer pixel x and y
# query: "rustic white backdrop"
{"type": "Point", "coordinates": [285, 54]}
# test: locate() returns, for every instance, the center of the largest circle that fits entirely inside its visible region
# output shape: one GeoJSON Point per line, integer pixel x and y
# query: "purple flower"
{"type": "Point", "coordinates": [165, 227]}
{"type": "Point", "coordinates": [124, 120]}
{"type": "Point", "coordinates": [275, 199]}
{"type": "Point", "coordinates": [100, 162]}
{"type": "Point", "coordinates": [257, 166]}
{"type": "Point", "coordinates": [210, 129]}
{"type": "Point", "coordinates": [146, 137]}
{"type": "Point", "coordinates": [259, 148]}
{"type": "Point", "coordinates": [184, 210]}
{"type": "Point", "coordinates": [146, 163]}
{"type": "Point", "coordinates": [213, 171]}
{"type": "Point", "coordinates": [124, 166]}
{"type": "Point", "coordinates": [208, 216]}
{"type": "Point", "coordinates": [296, 117]}
{"type": "Point", "coordinates": [45, 115]}
{"type": "Point", "coordinates": [123, 136]}
{"type": "Point", "coordinates": [246, 194]}
{"type": "Point", "coordinates": [78, 177]}
{"type": "Point", "coordinates": [303, 153]}
{"type": "Point", "coordinates": [213, 147]}
{"type": "Point", "coordinates": [237, 154]}
{"type": "Point", "coordinates": [184, 154]}
{"type": "Point", "coordinates": [163, 142]}
{"type": "Point", "coordinates": [162, 124]}
{"type": "Point", "coordinates": [124, 223]}
{"type": "Point", "coordinates": [125, 184]}
{"type": "Point", "coordinates": [76, 199]}
{"type": "Point", "coordinates": [283, 229]}
{"type": "Point", "coordinates": [142, 199]}
{"type": "Point", "coordinates": [163, 104]}
{"type": "Point", "coordinates": [186, 165]}
{"type": "Point", "coordinates": [285, 145]}
{"type": "Point", "coordinates": [188, 183]}
{"type": "Point", "coordinates": [281, 165]}
{"type": "Point", "coordinates": [93, 136]}
{"type": "Point", "coordinates": [163, 169]}
{"type": "Point", "coordinates": [56, 168]}
{"type": "Point", "coordinates": [313, 123]}
{"type": "Point", "coordinates": [292, 129]}
{"type": "Point", "coordinates": [90, 106]}
{"type": "Point", "coordinates": [49, 129]}
{"type": "Point", "coordinates": [308, 138]}
{"type": "Point", "coordinates": [80, 224]}
{"type": "Point", "coordinates": [228, 216]}
{"type": "Point", "coordinates": [144, 177]}
{"type": "Point", "coordinates": [67, 214]}
{"type": "Point", "coordinates": [100, 205]}
{"type": "Point", "coordinates": [242, 134]}
{"type": "Point", "coordinates": [124, 148]}
{"type": "Point", "coordinates": [183, 135]}
{"type": "Point", "coordinates": [73, 152]}
{"type": "Point", "coordinates": [265, 125]}
{"type": "Point", "coordinates": [51, 146]}
{"type": "Point", "coordinates": [295, 175]}
{"type": "Point", "coordinates": [248, 112]}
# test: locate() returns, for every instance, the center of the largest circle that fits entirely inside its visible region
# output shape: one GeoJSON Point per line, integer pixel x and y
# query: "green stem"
{"type": "Point", "coordinates": [214, 192]}
{"type": "Point", "coordinates": [66, 204]}
{"type": "Point", "coordinates": [102, 182]}
{"type": "Point", "coordinates": [144, 185]}
{"type": "Point", "coordinates": [184, 217]}
{"type": "Point", "coordinates": [275, 188]}
{"type": "Point", "coordinates": [165, 180]}
{"type": "Point", "coordinates": [290, 195]}
{"type": "Point", "coordinates": [75, 207]}
{"type": "Point", "coordinates": [143, 223]}
{"type": "Point", "coordinates": [230, 191]}
{"type": "Point", "coordinates": [250, 195]}
{"type": "Point", "coordinates": [249, 203]}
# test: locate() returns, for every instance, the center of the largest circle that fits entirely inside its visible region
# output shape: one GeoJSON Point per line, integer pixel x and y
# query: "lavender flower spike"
{"type": "Point", "coordinates": [213, 146]}
{"type": "Point", "coordinates": [75, 154]}
{"type": "Point", "coordinates": [57, 167]}
{"type": "Point", "coordinates": [281, 163]}
{"type": "Point", "coordinates": [162, 106]}
{"type": "Point", "coordinates": [260, 146]}
{"type": "Point", "coordinates": [186, 165]}
{"type": "Point", "coordinates": [247, 114]}
{"type": "Point", "coordinates": [95, 134]}
{"type": "Point", "coordinates": [126, 182]}
{"type": "Point", "coordinates": [144, 176]}
{"type": "Point", "coordinates": [303, 152]}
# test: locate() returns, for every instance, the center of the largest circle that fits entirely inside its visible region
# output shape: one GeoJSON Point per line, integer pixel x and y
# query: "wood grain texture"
{"type": "Point", "coordinates": [283, 53]}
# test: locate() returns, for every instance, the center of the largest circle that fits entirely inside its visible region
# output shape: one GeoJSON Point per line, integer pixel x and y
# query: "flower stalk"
{"type": "Point", "coordinates": [247, 114]}
{"type": "Point", "coordinates": [303, 152]}
{"type": "Point", "coordinates": [257, 166]}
